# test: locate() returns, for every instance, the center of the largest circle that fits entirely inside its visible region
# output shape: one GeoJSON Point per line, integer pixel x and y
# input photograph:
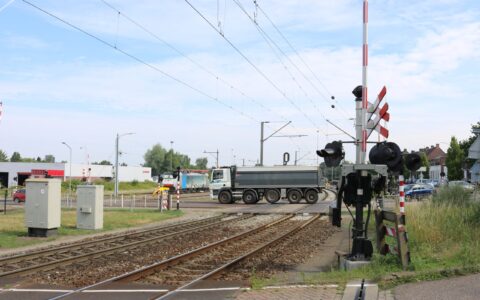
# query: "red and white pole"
{"type": "Point", "coordinates": [178, 193]}
{"type": "Point", "coordinates": [364, 81]}
{"type": "Point", "coordinates": [401, 192]}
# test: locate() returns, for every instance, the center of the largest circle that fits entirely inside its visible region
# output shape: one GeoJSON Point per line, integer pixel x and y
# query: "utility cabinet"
{"type": "Point", "coordinates": [42, 206]}
{"type": "Point", "coordinates": [90, 206]}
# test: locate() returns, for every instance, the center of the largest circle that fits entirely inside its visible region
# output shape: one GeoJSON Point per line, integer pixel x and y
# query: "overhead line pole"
{"type": "Point", "coordinates": [216, 156]}
{"type": "Point", "coordinates": [262, 139]}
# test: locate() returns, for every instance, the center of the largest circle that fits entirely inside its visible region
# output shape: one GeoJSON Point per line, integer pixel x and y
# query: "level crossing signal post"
{"type": "Point", "coordinates": [361, 182]}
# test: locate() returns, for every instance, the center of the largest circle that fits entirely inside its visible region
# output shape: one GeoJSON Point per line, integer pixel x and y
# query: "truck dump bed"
{"type": "Point", "coordinates": [278, 177]}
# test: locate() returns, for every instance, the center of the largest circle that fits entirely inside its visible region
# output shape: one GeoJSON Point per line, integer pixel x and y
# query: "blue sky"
{"type": "Point", "coordinates": [58, 84]}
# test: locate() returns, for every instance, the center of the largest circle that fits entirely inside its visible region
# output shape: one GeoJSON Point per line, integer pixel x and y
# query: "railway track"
{"type": "Point", "coordinates": [183, 271]}
{"type": "Point", "coordinates": [50, 258]}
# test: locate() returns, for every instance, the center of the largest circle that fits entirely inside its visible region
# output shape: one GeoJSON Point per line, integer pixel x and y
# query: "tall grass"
{"type": "Point", "coordinates": [445, 231]}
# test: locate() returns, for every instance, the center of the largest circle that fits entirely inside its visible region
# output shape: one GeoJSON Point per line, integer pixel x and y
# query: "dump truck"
{"type": "Point", "coordinates": [252, 184]}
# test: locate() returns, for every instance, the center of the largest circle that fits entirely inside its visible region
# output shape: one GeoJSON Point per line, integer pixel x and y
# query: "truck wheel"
{"type": "Point", "coordinates": [294, 196]}
{"type": "Point", "coordinates": [272, 196]}
{"type": "Point", "coordinates": [311, 196]}
{"type": "Point", "coordinates": [16, 200]}
{"type": "Point", "coordinates": [225, 197]}
{"type": "Point", "coordinates": [250, 197]}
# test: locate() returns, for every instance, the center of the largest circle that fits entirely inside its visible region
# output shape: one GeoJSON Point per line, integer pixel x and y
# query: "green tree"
{"type": "Point", "coordinates": [49, 158]}
{"type": "Point", "coordinates": [201, 163]}
{"type": "Point", "coordinates": [3, 156]}
{"type": "Point", "coordinates": [155, 159]}
{"type": "Point", "coordinates": [104, 163]}
{"type": "Point", "coordinates": [15, 157]}
{"type": "Point", "coordinates": [426, 164]}
{"type": "Point", "coordinates": [163, 161]}
{"type": "Point", "coordinates": [454, 161]}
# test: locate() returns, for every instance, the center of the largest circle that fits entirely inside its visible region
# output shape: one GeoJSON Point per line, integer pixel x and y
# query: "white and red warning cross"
{"type": "Point", "coordinates": [375, 114]}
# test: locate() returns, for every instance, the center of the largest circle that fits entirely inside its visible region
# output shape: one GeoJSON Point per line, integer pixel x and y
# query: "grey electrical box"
{"type": "Point", "coordinates": [42, 206]}
{"type": "Point", "coordinates": [90, 206]}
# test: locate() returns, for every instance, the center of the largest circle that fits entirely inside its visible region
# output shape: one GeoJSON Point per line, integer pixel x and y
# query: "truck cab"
{"type": "Point", "coordinates": [220, 179]}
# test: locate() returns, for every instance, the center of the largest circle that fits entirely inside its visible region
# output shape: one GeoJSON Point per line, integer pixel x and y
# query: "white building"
{"type": "Point", "coordinates": [15, 173]}
{"type": "Point", "coordinates": [435, 172]}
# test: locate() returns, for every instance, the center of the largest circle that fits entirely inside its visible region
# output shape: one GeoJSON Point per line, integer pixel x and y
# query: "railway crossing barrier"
{"type": "Point", "coordinates": [393, 230]}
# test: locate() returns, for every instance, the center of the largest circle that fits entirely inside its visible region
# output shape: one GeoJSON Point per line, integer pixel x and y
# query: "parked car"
{"type": "Point", "coordinates": [19, 196]}
{"type": "Point", "coordinates": [418, 190]}
{"type": "Point", "coordinates": [464, 184]}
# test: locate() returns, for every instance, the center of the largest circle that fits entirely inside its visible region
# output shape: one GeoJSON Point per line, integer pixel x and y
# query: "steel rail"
{"type": "Point", "coordinates": [35, 254]}
{"type": "Point", "coordinates": [83, 256]}
{"type": "Point", "coordinates": [240, 258]}
{"type": "Point", "coordinates": [148, 270]}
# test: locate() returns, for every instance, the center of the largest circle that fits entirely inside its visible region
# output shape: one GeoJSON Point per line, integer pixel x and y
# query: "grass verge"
{"type": "Point", "coordinates": [13, 232]}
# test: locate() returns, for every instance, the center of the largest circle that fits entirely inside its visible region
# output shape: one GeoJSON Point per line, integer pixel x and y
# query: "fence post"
{"type": "Point", "coordinates": [169, 204]}
{"type": "Point", "coordinates": [134, 200]}
{"type": "Point", "coordinates": [145, 202]}
{"type": "Point", "coordinates": [158, 200]}
{"type": "Point", "coordinates": [122, 200]}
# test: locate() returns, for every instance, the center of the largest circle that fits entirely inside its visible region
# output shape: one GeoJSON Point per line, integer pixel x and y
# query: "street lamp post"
{"type": "Point", "coordinates": [115, 192]}
{"type": "Point", "coordinates": [70, 172]}
{"type": "Point", "coordinates": [171, 156]}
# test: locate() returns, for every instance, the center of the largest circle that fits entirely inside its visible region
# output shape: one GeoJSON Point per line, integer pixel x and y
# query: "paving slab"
{"type": "Point", "coordinates": [464, 288]}
{"type": "Point", "coordinates": [290, 293]}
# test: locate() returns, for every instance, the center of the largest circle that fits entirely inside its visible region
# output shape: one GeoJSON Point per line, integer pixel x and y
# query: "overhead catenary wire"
{"type": "Point", "coordinates": [139, 60]}
{"type": "Point", "coordinates": [257, 7]}
{"type": "Point", "coordinates": [276, 87]}
{"type": "Point", "coordinates": [200, 66]}
{"type": "Point", "coordinates": [270, 42]}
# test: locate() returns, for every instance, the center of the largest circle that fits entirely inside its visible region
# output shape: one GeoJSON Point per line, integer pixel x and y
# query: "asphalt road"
{"type": "Point", "coordinates": [459, 288]}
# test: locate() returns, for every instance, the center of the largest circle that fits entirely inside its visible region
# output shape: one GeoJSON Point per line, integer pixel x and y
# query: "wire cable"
{"type": "Point", "coordinates": [270, 42]}
{"type": "Point", "coordinates": [252, 64]}
{"type": "Point", "coordinates": [200, 66]}
{"type": "Point", "coordinates": [301, 59]}
{"type": "Point", "coordinates": [133, 57]}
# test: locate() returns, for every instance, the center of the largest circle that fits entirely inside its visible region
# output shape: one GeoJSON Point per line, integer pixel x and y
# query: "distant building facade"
{"type": "Point", "coordinates": [436, 157]}
{"type": "Point", "coordinates": [15, 173]}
